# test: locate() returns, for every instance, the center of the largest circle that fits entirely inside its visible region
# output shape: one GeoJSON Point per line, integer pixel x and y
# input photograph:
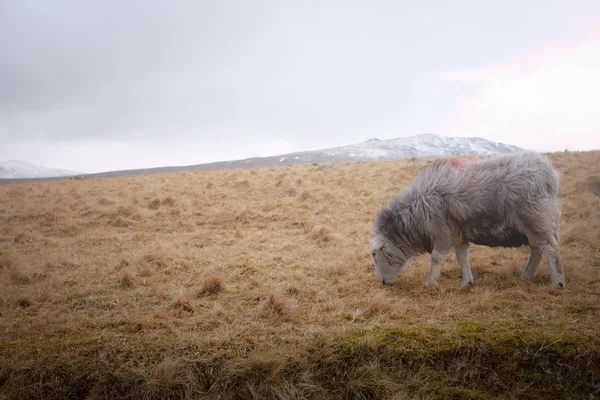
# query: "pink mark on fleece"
{"type": "Point", "coordinates": [453, 162]}
{"type": "Point", "coordinates": [460, 163]}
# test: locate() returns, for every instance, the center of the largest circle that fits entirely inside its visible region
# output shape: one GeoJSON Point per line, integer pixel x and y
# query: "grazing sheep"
{"type": "Point", "coordinates": [509, 200]}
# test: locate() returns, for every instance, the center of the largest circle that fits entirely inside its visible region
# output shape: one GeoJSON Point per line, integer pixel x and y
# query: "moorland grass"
{"type": "Point", "coordinates": [258, 284]}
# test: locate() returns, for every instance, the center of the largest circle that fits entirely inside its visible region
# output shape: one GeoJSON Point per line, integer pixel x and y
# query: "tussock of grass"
{"type": "Point", "coordinates": [183, 302]}
{"type": "Point", "coordinates": [105, 202]}
{"type": "Point", "coordinates": [154, 204]}
{"type": "Point", "coordinates": [18, 274]}
{"type": "Point", "coordinates": [156, 261]}
{"type": "Point", "coordinates": [168, 201]}
{"type": "Point", "coordinates": [274, 304]}
{"type": "Point", "coordinates": [212, 286]}
{"type": "Point", "coordinates": [126, 281]}
{"type": "Point", "coordinates": [166, 379]}
{"type": "Point", "coordinates": [22, 238]}
{"type": "Point", "coordinates": [24, 302]}
{"type": "Point", "coordinates": [292, 290]}
{"type": "Point", "coordinates": [322, 234]}
{"type": "Point", "coordinates": [119, 222]}
{"type": "Point", "coordinates": [483, 300]}
{"type": "Point", "coordinates": [378, 304]}
{"type": "Point", "coordinates": [115, 288]}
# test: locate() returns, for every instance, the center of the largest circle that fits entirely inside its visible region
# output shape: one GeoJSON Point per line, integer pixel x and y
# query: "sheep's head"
{"type": "Point", "coordinates": [388, 259]}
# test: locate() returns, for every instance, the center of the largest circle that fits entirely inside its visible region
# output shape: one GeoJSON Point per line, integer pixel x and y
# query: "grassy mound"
{"type": "Point", "coordinates": [467, 361]}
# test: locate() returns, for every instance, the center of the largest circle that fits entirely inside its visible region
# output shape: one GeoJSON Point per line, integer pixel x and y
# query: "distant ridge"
{"type": "Point", "coordinates": [419, 146]}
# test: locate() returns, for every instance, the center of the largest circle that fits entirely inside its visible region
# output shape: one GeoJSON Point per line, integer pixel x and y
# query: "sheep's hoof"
{"type": "Point", "coordinates": [468, 284]}
{"type": "Point", "coordinates": [526, 278]}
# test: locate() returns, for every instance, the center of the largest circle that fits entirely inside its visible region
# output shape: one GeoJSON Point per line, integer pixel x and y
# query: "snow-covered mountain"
{"type": "Point", "coordinates": [419, 146]}
{"type": "Point", "coordinates": [22, 170]}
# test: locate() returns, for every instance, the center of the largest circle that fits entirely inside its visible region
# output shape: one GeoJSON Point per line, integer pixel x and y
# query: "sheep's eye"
{"type": "Point", "coordinates": [373, 254]}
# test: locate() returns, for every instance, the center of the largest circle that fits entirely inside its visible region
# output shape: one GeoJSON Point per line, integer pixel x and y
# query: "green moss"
{"type": "Point", "coordinates": [499, 340]}
{"type": "Point", "coordinates": [479, 359]}
{"type": "Point", "coordinates": [571, 345]}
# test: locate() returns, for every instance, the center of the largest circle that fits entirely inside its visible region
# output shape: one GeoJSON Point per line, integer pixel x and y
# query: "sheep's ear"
{"type": "Point", "coordinates": [376, 243]}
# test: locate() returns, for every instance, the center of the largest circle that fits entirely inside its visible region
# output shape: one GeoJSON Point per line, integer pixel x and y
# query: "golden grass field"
{"type": "Point", "coordinates": [258, 284]}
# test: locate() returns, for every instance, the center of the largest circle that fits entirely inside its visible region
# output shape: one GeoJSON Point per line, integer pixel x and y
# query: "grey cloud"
{"type": "Point", "coordinates": [120, 70]}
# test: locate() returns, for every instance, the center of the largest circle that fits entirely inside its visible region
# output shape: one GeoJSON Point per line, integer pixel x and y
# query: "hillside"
{"type": "Point", "coordinates": [23, 170]}
{"type": "Point", "coordinates": [257, 283]}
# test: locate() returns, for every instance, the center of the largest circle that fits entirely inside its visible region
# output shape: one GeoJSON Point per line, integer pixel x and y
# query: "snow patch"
{"type": "Point", "coordinates": [14, 169]}
{"type": "Point", "coordinates": [426, 146]}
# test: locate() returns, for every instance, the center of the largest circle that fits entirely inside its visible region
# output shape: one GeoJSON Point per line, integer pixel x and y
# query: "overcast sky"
{"type": "Point", "coordinates": [103, 85]}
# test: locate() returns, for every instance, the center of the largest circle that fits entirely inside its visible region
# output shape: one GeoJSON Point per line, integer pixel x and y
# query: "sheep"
{"type": "Point", "coordinates": [507, 200]}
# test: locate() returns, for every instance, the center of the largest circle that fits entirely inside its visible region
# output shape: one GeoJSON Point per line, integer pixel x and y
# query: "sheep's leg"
{"type": "Point", "coordinates": [438, 255]}
{"type": "Point", "coordinates": [534, 261]}
{"type": "Point", "coordinates": [542, 220]}
{"type": "Point", "coordinates": [462, 256]}
{"type": "Point", "coordinates": [551, 251]}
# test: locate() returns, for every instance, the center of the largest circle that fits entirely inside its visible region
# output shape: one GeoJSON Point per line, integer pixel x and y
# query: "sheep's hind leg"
{"type": "Point", "coordinates": [534, 261]}
{"type": "Point", "coordinates": [462, 256]}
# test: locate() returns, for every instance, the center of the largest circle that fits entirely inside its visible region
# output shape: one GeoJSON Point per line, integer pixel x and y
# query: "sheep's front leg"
{"type": "Point", "coordinates": [552, 253]}
{"type": "Point", "coordinates": [462, 256]}
{"type": "Point", "coordinates": [438, 255]}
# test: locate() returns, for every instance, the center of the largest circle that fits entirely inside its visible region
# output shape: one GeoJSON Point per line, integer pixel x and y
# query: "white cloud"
{"type": "Point", "coordinates": [546, 101]}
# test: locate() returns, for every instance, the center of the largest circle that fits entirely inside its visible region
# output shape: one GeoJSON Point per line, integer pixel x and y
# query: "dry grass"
{"type": "Point", "coordinates": [258, 284]}
{"type": "Point", "coordinates": [275, 305]}
{"type": "Point", "coordinates": [183, 302]}
{"type": "Point", "coordinates": [212, 286]}
{"type": "Point", "coordinates": [126, 280]}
